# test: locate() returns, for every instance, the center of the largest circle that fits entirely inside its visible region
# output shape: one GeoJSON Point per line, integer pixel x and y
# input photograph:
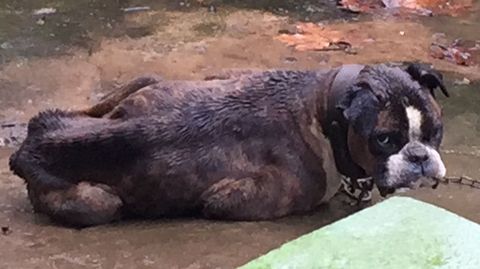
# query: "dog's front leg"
{"type": "Point", "coordinates": [266, 194]}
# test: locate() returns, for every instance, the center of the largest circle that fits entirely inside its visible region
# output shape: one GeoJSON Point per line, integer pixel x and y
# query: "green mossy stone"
{"type": "Point", "coordinates": [399, 233]}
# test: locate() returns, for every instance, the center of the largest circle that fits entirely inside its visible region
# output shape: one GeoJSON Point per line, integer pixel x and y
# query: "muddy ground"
{"type": "Point", "coordinates": [74, 56]}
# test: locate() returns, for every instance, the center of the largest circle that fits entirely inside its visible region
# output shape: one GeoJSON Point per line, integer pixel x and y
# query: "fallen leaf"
{"type": "Point", "coordinates": [310, 36]}
{"type": "Point", "coordinates": [457, 52]}
{"type": "Point", "coordinates": [361, 5]}
{"type": "Point", "coordinates": [40, 21]}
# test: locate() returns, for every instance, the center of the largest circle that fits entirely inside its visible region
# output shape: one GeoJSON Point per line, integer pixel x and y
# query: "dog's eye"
{"type": "Point", "coordinates": [385, 143]}
{"type": "Point", "coordinates": [383, 140]}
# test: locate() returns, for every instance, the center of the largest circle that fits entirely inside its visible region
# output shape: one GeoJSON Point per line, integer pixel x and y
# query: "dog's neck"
{"type": "Point", "coordinates": [335, 126]}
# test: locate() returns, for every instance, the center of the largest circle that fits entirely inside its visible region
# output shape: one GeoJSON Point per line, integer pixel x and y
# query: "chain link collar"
{"type": "Point", "coordinates": [359, 189]}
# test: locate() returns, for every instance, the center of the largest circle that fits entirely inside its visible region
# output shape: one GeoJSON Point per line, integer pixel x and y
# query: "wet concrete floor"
{"type": "Point", "coordinates": [70, 58]}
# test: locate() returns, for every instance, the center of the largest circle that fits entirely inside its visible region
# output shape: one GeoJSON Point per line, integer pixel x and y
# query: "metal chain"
{"type": "Point", "coordinates": [462, 180]}
{"type": "Point", "coordinates": [362, 191]}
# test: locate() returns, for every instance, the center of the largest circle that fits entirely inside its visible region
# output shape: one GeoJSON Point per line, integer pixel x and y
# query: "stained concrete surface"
{"type": "Point", "coordinates": [71, 64]}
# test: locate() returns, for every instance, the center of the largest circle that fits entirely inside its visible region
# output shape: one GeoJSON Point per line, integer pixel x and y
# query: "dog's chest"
{"type": "Point", "coordinates": [321, 147]}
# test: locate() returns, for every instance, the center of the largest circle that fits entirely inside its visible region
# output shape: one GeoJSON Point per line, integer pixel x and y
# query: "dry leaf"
{"type": "Point", "coordinates": [457, 52]}
{"type": "Point", "coordinates": [310, 36]}
{"type": "Point", "coordinates": [361, 6]}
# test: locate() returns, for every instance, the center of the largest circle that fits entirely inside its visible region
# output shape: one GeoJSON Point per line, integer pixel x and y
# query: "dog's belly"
{"type": "Point", "coordinates": [172, 182]}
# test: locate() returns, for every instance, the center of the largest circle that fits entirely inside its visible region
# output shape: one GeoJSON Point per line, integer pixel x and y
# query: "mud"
{"type": "Point", "coordinates": [93, 53]}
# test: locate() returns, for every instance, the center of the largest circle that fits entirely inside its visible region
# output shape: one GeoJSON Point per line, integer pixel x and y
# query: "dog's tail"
{"type": "Point", "coordinates": [64, 147]}
{"type": "Point", "coordinates": [112, 99]}
{"type": "Point", "coordinates": [51, 118]}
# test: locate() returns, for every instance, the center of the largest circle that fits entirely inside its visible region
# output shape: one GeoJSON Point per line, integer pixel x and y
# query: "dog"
{"type": "Point", "coordinates": [244, 145]}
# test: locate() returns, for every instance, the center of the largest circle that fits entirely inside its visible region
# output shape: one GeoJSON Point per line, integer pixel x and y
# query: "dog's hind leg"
{"type": "Point", "coordinates": [77, 204]}
{"type": "Point", "coordinates": [264, 195]}
{"type": "Point", "coordinates": [80, 205]}
{"type": "Point", "coordinates": [112, 99]}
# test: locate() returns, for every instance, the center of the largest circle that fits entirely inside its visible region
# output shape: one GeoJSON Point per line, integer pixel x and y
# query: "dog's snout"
{"type": "Point", "coordinates": [417, 153]}
{"type": "Point", "coordinates": [418, 158]}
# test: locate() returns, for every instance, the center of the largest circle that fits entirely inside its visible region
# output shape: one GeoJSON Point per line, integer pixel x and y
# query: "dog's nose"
{"type": "Point", "coordinates": [417, 153]}
{"type": "Point", "coordinates": [418, 158]}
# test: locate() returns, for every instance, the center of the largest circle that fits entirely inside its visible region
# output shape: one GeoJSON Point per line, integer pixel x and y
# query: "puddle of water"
{"type": "Point", "coordinates": [82, 23]}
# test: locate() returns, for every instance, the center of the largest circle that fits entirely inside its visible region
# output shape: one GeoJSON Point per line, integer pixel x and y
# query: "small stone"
{"type": "Point", "coordinates": [41, 21]}
{"type": "Point", "coordinates": [45, 11]}
{"type": "Point", "coordinates": [286, 32]}
{"type": "Point", "coordinates": [6, 45]}
{"type": "Point", "coordinates": [402, 33]}
{"type": "Point", "coordinates": [200, 48]}
{"type": "Point", "coordinates": [6, 230]}
{"type": "Point", "coordinates": [464, 81]}
{"type": "Point", "coordinates": [212, 9]}
{"type": "Point", "coordinates": [7, 141]}
{"type": "Point", "coordinates": [290, 59]}
{"type": "Point", "coordinates": [147, 261]}
{"type": "Point", "coordinates": [351, 51]}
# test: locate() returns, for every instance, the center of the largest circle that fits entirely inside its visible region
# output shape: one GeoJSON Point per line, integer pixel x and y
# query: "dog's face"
{"type": "Point", "coordinates": [395, 126]}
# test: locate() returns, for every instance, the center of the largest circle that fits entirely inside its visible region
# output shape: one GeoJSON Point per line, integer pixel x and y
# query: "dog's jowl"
{"type": "Point", "coordinates": [248, 145]}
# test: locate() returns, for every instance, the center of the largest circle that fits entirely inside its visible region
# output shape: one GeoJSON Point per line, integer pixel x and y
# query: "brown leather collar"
{"type": "Point", "coordinates": [335, 126]}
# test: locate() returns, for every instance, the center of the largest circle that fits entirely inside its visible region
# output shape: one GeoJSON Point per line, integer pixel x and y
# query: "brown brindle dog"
{"type": "Point", "coordinates": [251, 145]}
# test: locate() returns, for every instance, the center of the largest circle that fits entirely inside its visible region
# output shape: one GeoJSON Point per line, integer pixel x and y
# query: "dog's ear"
{"type": "Point", "coordinates": [359, 107]}
{"type": "Point", "coordinates": [427, 77]}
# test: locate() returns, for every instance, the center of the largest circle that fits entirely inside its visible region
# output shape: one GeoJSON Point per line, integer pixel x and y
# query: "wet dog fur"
{"type": "Point", "coordinates": [249, 145]}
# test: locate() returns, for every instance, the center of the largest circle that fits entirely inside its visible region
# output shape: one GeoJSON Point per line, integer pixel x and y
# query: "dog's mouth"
{"type": "Point", "coordinates": [422, 182]}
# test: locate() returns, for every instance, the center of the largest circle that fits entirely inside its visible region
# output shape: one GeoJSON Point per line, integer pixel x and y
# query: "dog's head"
{"type": "Point", "coordinates": [395, 126]}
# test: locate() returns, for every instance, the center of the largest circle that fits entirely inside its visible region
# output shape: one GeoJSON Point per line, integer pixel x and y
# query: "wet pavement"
{"type": "Point", "coordinates": [70, 58]}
